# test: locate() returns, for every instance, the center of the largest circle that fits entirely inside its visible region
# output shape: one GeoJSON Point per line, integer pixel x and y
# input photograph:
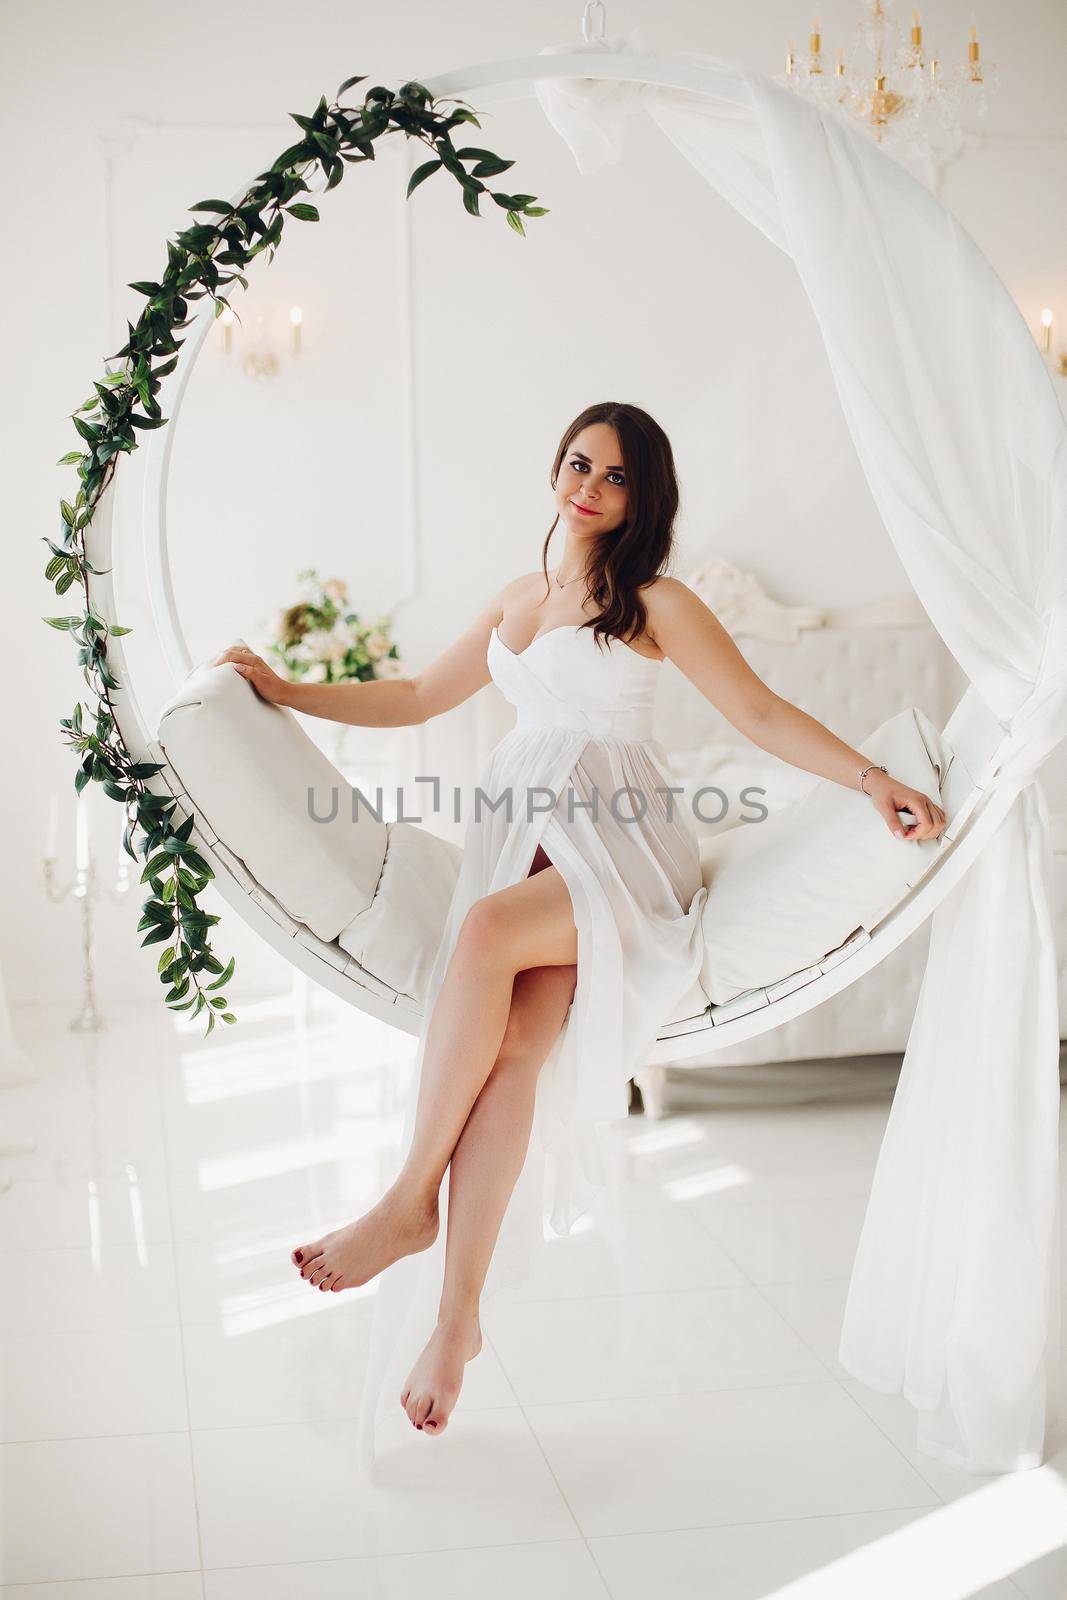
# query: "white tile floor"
{"type": "Point", "coordinates": [658, 1412]}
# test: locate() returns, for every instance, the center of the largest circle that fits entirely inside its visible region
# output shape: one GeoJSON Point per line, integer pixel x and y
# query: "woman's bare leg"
{"type": "Point", "coordinates": [484, 1168]}
{"type": "Point", "coordinates": [528, 924]}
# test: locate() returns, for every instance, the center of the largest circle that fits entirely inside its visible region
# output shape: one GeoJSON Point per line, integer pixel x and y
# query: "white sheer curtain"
{"type": "Point", "coordinates": [954, 1298]}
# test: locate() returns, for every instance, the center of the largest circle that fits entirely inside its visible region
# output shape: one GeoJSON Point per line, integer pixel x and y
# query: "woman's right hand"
{"type": "Point", "coordinates": [264, 680]}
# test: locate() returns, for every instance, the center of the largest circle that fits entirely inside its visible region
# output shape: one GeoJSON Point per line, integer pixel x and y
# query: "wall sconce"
{"type": "Point", "coordinates": [260, 358]}
{"type": "Point", "coordinates": [1058, 363]}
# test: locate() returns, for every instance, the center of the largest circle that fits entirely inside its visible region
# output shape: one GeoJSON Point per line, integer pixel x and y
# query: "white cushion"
{"type": "Point", "coordinates": [785, 891]}
{"type": "Point", "coordinates": [263, 785]}
{"type": "Point", "coordinates": [724, 782]}
{"type": "Point", "coordinates": [397, 936]}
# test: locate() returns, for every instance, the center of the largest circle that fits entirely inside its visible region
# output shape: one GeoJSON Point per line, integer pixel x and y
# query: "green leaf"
{"type": "Point", "coordinates": [157, 912]}
{"type": "Point", "coordinates": [421, 174]}
{"type": "Point", "coordinates": [515, 221]}
{"type": "Point", "coordinates": [196, 862]}
{"type": "Point", "coordinates": [157, 865]}
{"type": "Point", "coordinates": [147, 422]}
{"type": "Point", "coordinates": [223, 207]}
{"type": "Point", "coordinates": [69, 459]}
{"type": "Point", "coordinates": [303, 212]}
{"type": "Point", "coordinates": [490, 167]}
{"type": "Point", "coordinates": [220, 983]}
{"type": "Point", "coordinates": [350, 83]}
{"type": "Point", "coordinates": [62, 623]}
{"type": "Point", "coordinates": [296, 155]}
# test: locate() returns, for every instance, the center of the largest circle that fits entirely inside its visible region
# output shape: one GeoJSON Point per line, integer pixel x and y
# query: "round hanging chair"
{"type": "Point", "coordinates": [960, 436]}
{"type": "Point", "coordinates": [976, 801]}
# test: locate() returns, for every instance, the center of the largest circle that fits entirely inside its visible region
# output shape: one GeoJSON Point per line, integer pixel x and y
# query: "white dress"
{"type": "Point", "coordinates": [581, 770]}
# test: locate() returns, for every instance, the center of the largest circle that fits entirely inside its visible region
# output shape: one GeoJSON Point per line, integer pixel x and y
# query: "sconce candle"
{"type": "Point", "coordinates": [227, 319]}
{"type": "Point", "coordinates": [296, 318]}
{"type": "Point", "coordinates": [1046, 330]}
{"type": "Point", "coordinates": [81, 836]}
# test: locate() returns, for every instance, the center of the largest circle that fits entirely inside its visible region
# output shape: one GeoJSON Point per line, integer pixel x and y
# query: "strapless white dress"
{"type": "Point", "coordinates": [582, 771]}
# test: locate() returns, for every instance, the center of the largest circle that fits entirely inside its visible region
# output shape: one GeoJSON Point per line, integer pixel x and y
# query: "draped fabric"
{"type": "Point", "coordinates": [954, 1295]}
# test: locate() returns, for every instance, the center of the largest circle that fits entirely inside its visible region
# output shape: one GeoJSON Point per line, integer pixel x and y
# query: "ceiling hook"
{"type": "Point", "coordinates": [587, 21]}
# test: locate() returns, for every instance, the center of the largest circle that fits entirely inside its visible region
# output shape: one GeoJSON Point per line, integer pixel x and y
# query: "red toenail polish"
{"type": "Point", "coordinates": [298, 1256]}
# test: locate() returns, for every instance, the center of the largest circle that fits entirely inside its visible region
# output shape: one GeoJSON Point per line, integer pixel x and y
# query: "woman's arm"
{"type": "Point", "coordinates": [689, 633]}
{"type": "Point", "coordinates": [453, 677]}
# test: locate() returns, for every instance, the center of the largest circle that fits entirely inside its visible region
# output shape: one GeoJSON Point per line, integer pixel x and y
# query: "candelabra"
{"type": "Point", "coordinates": [260, 358]}
{"type": "Point", "coordinates": [86, 886]}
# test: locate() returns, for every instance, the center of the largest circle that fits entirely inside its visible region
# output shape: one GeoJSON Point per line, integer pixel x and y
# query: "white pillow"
{"type": "Point", "coordinates": [267, 790]}
{"type": "Point", "coordinates": [739, 782]}
{"type": "Point", "coordinates": [396, 938]}
{"type": "Point", "coordinates": [785, 891]}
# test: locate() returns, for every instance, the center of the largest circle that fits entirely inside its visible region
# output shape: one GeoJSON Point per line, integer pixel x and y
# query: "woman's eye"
{"type": "Point", "coordinates": [580, 467]}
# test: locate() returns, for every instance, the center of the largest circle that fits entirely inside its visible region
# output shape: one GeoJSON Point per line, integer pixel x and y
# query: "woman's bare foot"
{"type": "Point", "coordinates": [352, 1255]}
{"type": "Point", "coordinates": [435, 1380]}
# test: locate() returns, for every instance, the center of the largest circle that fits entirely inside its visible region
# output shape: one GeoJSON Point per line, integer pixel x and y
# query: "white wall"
{"type": "Point", "coordinates": [639, 285]}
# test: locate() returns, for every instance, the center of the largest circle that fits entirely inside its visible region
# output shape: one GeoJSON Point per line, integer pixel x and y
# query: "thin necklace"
{"type": "Point", "coordinates": [569, 580]}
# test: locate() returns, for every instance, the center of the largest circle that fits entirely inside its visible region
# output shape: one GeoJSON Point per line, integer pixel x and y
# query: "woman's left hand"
{"type": "Point", "coordinates": [891, 796]}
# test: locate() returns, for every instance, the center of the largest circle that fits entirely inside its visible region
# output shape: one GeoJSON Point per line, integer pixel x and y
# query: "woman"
{"type": "Point", "coordinates": [575, 925]}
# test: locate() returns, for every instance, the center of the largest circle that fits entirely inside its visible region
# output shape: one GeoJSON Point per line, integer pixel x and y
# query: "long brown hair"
{"type": "Point", "coordinates": [638, 550]}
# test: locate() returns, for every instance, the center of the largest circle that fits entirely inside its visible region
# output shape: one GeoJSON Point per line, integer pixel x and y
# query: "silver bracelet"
{"type": "Point", "coordinates": [871, 768]}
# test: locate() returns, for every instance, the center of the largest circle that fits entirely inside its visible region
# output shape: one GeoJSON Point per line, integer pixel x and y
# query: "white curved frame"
{"type": "Point", "coordinates": [971, 731]}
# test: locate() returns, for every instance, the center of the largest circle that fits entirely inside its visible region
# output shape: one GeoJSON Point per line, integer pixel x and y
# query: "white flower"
{"type": "Point", "coordinates": [316, 673]}
{"type": "Point", "coordinates": [336, 590]}
{"type": "Point", "coordinates": [377, 645]}
{"type": "Point", "coordinates": [318, 644]}
{"type": "Point", "coordinates": [390, 667]}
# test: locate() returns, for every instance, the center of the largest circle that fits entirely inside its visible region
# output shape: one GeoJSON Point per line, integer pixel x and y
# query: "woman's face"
{"type": "Point", "coordinates": [591, 475]}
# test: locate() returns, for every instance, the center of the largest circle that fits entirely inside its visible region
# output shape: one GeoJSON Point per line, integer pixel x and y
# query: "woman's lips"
{"type": "Point", "coordinates": [585, 510]}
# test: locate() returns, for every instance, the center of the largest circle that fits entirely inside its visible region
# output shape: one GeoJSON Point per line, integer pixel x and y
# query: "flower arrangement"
{"type": "Point", "coordinates": [318, 640]}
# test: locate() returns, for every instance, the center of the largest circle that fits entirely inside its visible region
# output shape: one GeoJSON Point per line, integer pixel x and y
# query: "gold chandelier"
{"type": "Point", "coordinates": [900, 93]}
